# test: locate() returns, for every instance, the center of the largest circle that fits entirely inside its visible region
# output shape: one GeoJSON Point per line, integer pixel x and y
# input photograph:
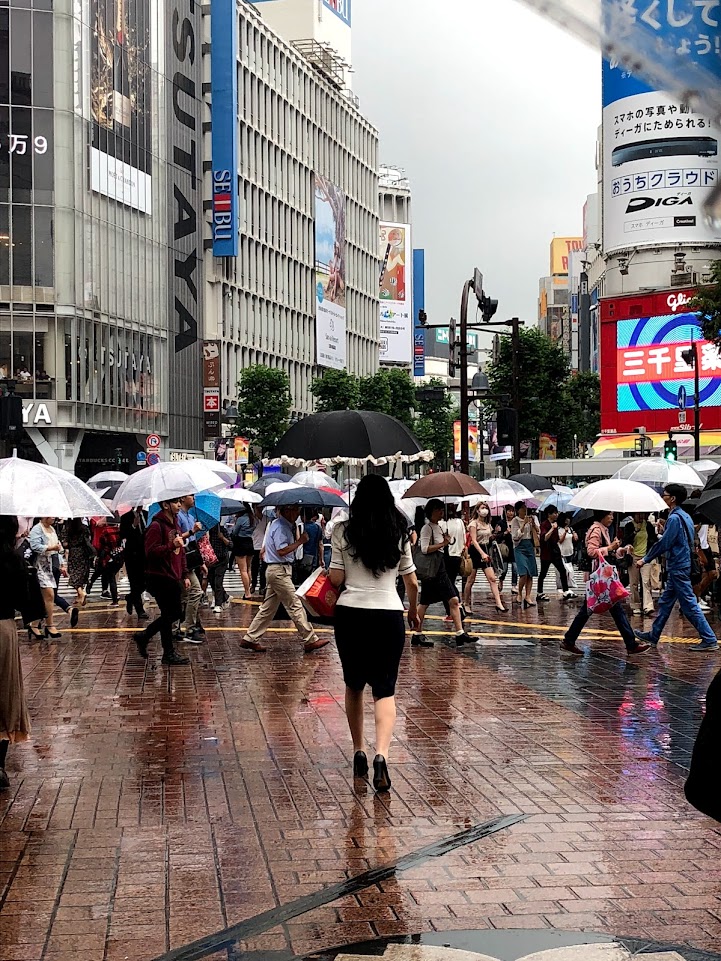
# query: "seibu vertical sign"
{"type": "Point", "coordinates": [224, 115]}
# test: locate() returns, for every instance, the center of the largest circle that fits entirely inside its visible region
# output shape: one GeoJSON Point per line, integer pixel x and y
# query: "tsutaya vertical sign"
{"type": "Point", "coordinates": [184, 201]}
{"type": "Point", "coordinates": [224, 113]}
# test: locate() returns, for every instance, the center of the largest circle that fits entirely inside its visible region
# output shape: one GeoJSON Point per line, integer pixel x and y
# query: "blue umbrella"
{"type": "Point", "coordinates": [206, 510]}
{"type": "Point", "coordinates": [304, 497]}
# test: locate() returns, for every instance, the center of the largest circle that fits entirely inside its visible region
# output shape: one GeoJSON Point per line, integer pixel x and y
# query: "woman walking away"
{"type": "Point", "coordinates": [81, 555]}
{"type": "Point", "coordinates": [481, 532]}
{"type": "Point", "coordinates": [132, 535]}
{"type": "Point", "coordinates": [216, 572]}
{"type": "Point", "coordinates": [243, 546]}
{"type": "Point", "coordinates": [524, 531]}
{"type": "Point", "coordinates": [44, 543]}
{"type": "Point", "coordinates": [437, 588]}
{"type": "Point", "coordinates": [551, 555]}
{"type": "Point", "coordinates": [599, 547]}
{"type": "Point", "coordinates": [456, 531]}
{"type": "Point", "coordinates": [14, 720]}
{"type": "Point", "coordinates": [369, 551]}
{"type": "Point", "coordinates": [166, 573]}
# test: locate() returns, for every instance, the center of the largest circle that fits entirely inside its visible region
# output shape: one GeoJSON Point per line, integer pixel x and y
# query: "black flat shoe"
{"type": "Point", "coordinates": [381, 777]}
{"type": "Point", "coordinates": [175, 658]}
{"type": "Point", "coordinates": [420, 640]}
{"type": "Point", "coordinates": [141, 641]}
{"type": "Point", "coordinates": [129, 605]}
{"type": "Point", "coordinates": [74, 615]}
{"type": "Point", "coordinates": [360, 765]}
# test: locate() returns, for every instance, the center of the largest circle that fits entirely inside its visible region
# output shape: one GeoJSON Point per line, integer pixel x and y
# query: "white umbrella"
{"type": "Point", "coordinates": [315, 478]}
{"type": "Point", "coordinates": [705, 466]}
{"type": "Point", "coordinates": [656, 470]}
{"type": "Point", "coordinates": [28, 489]}
{"type": "Point", "coordinates": [240, 495]}
{"type": "Point", "coordinates": [616, 494]}
{"type": "Point", "coordinates": [502, 492]}
{"type": "Point", "coordinates": [105, 478]}
{"type": "Point", "coordinates": [166, 481]}
{"type": "Point", "coordinates": [199, 467]}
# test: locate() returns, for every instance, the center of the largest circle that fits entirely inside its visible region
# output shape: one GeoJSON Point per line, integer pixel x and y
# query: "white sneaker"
{"type": "Point", "coordinates": [218, 609]}
{"type": "Point", "coordinates": [569, 595]}
{"type": "Point", "coordinates": [637, 611]}
{"type": "Point", "coordinates": [704, 606]}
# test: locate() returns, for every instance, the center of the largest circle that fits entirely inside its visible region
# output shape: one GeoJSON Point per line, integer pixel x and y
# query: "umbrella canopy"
{"type": "Point", "coordinates": [619, 495]}
{"type": "Point", "coordinates": [532, 482]}
{"type": "Point", "coordinates": [232, 498]}
{"type": "Point", "coordinates": [166, 481]}
{"type": "Point", "coordinates": [262, 484]}
{"type": "Point", "coordinates": [315, 478]}
{"type": "Point", "coordinates": [303, 497]}
{"type": "Point", "coordinates": [502, 491]}
{"type": "Point", "coordinates": [705, 466]}
{"type": "Point", "coordinates": [347, 436]}
{"type": "Point", "coordinates": [105, 478]}
{"type": "Point", "coordinates": [658, 472]}
{"type": "Point", "coordinates": [207, 509]}
{"type": "Point", "coordinates": [445, 484]}
{"type": "Point", "coordinates": [709, 504]}
{"type": "Point", "coordinates": [28, 489]}
{"type": "Point", "coordinates": [559, 499]}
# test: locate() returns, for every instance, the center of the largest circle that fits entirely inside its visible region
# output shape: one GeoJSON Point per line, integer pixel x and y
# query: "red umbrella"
{"type": "Point", "coordinates": [446, 484]}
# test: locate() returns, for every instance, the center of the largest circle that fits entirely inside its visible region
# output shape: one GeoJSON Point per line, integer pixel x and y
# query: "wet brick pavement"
{"type": "Point", "coordinates": [155, 807]}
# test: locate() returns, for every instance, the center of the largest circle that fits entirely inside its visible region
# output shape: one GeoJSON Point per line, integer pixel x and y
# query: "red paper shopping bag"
{"type": "Point", "coordinates": [318, 594]}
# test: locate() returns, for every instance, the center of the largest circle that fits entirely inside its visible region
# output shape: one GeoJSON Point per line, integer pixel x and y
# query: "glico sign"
{"type": "Point", "coordinates": [643, 339]}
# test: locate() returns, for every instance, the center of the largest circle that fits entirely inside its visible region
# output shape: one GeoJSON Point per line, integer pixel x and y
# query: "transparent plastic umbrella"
{"type": "Point", "coordinates": [618, 495]}
{"type": "Point", "coordinates": [106, 478]}
{"type": "Point", "coordinates": [657, 472]}
{"type": "Point", "coordinates": [315, 478]}
{"type": "Point", "coordinates": [166, 481]}
{"type": "Point", "coordinates": [502, 492]}
{"type": "Point", "coordinates": [28, 489]}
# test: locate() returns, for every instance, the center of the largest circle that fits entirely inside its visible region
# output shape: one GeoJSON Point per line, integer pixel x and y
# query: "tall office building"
{"type": "Point", "coordinates": [101, 226]}
{"type": "Point", "coordinates": [299, 287]}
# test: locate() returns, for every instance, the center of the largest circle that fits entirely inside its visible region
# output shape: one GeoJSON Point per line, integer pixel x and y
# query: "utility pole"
{"type": "Point", "coordinates": [516, 348]}
{"type": "Point", "coordinates": [463, 356]}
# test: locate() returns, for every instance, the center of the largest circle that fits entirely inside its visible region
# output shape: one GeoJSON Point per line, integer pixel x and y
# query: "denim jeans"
{"type": "Point", "coordinates": [678, 588]}
{"type": "Point", "coordinates": [619, 616]}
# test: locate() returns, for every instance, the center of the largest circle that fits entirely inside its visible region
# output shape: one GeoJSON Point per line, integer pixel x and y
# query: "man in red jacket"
{"type": "Point", "coordinates": [166, 574]}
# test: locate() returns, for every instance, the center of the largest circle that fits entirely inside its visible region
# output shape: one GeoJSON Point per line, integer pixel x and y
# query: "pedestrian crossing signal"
{"type": "Point", "coordinates": [670, 450]}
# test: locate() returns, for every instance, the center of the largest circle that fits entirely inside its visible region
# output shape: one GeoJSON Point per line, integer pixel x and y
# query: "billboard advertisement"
{"type": "Point", "coordinates": [396, 294]}
{"type": "Point", "coordinates": [120, 95]}
{"type": "Point", "coordinates": [224, 113]}
{"type": "Point", "coordinates": [643, 371]}
{"type": "Point", "coordinates": [660, 157]}
{"type": "Point", "coordinates": [561, 249]}
{"type": "Point", "coordinates": [330, 253]}
{"type": "Point", "coordinates": [419, 304]}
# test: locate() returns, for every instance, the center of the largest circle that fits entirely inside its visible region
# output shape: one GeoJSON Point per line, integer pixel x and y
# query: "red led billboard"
{"type": "Point", "coordinates": [643, 338]}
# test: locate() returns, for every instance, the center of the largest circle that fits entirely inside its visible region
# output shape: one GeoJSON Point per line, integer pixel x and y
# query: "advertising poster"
{"type": "Point", "coordinates": [419, 304]}
{"type": "Point", "coordinates": [211, 389]}
{"type": "Point", "coordinates": [473, 446]}
{"type": "Point", "coordinates": [330, 253]}
{"type": "Point", "coordinates": [561, 250]}
{"type": "Point", "coordinates": [396, 294]}
{"type": "Point", "coordinates": [120, 92]}
{"type": "Point", "coordinates": [660, 157]}
{"type": "Point", "coordinates": [547, 446]}
{"type": "Point", "coordinates": [242, 448]}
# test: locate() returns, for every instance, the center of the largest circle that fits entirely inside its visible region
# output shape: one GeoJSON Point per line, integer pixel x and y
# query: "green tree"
{"type": "Point", "coordinates": [581, 405]}
{"type": "Point", "coordinates": [374, 393]}
{"type": "Point", "coordinates": [707, 303]}
{"type": "Point", "coordinates": [335, 390]}
{"type": "Point", "coordinates": [543, 372]}
{"type": "Point", "coordinates": [403, 395]}
{"type": "Point", "coordinates": [434, 427]}
{"type": "Point", "coordinates": [264, 404]}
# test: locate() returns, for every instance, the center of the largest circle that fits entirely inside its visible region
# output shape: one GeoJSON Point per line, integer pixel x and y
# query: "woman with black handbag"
{"type": "Point", "coordinates": [431, 570]}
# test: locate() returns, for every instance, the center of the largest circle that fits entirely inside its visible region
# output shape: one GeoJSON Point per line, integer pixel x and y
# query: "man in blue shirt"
{"type": "Point", "coordinates": [280, 547]}
{"type": "Point", "coordinates": [677, 544]}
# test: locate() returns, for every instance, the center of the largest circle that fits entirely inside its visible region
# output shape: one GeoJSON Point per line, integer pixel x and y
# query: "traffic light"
{"type": "Point", "coordinates": [488, 308]}
{"type": "Point", "coordinates": [506, 426]}
{"type": "Point", "coordinates": [670, 450]}
{"type": "Point", "coordinates": [453, 359]}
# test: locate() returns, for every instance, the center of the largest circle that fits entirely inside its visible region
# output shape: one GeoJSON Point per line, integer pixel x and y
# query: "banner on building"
{"type": "Point", "coordinates": [419, 304]}
{"type": "Point", "coordinates": [330, 269]}
{"type": "Point", "coordinates": [242, 449]}
{"type": "Point", "coordinates": [660, 157]}
{"type": "Point", "coordinates": [396, 294]}
{"type": "Point", "coordinates": [224, 114]}
{"type": "Point", "coordinates": [473, 446]}
{"type": "Point", "coordinates": [561, 249]}
{"type": "Point", "coordinates": [547, 446]}
{"type": "Point", "coordinates": [120, 102]}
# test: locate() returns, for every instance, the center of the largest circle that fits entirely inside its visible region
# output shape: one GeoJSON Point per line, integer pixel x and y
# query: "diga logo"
{"type": "Point", "coordinates": [646, 203]}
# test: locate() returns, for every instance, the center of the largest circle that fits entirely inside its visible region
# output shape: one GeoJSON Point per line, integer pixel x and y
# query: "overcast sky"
{"type": "Point", "coordinates": [493, 113]}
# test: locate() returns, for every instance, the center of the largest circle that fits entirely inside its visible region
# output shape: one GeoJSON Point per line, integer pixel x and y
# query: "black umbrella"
{"type": "Point", "coordinates": [304, 497]}
{"type": "Point", "coordinates": [532, 482]}
{"type": "Point", "coordinates": [346, 433]}
{"type": "Point", "coordinates": [262, 484]}
{"type": "Point", "coordinates": [714, 481]}
{"type": "Point", "coordinates": [709, 504]}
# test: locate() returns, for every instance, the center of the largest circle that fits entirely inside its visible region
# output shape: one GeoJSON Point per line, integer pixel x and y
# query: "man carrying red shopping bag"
{"type": "Point", "coordinates": [604, 591]}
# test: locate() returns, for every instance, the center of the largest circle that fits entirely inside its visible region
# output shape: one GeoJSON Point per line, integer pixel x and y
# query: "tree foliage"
{"type": "Point", "coordinates": [434, 427]}
{"type": "Point", "coordinates": [335, 390]}
{"type": "Point", "coordinates": [264, 404]}
{"type": "Point", "coordinates": [403, 395]}
{"type": "Point", "coordinates": [707, 303]}
{"type": "Point", "coordinates": [374, 393]}
{"type": "Point", "coordinates": [551, 399]}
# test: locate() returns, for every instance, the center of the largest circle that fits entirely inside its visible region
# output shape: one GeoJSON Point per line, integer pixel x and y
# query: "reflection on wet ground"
{"type": "Point", "coordinates": [156, 808]}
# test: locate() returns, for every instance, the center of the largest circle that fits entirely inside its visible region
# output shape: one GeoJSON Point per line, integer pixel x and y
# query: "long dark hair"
{"type": "Point", "coordinates": [376, 528]}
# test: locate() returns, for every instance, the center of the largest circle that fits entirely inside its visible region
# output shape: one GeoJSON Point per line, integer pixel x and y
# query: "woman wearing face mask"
{"type": "Point", "coordinates": [523, 529]}
{"type": "Point", "coordinates": [480, 531]}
